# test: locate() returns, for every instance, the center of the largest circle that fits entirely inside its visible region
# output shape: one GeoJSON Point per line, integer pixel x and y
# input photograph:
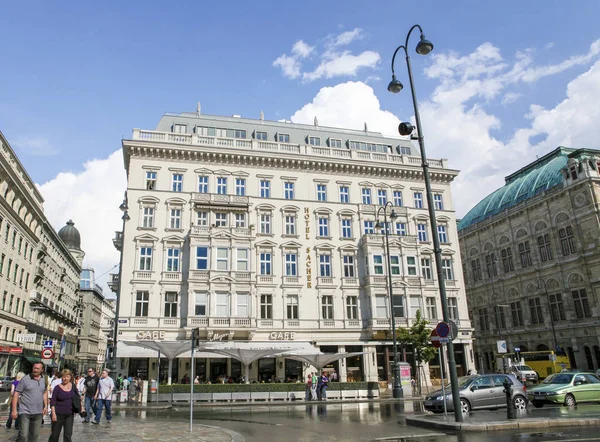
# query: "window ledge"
{"type": "Point", "coordinates": [265, 234]}
{"type": "Point", "coordinates": [173, 230]}
{"type": "Point", "coordinates": [347, 239]}
{"type": "Point", "coordinates": [324, 237]}
{"type": "Point", "coordinates": [290, 236]}
{"type": "Point", "coordinates": [149, 229]}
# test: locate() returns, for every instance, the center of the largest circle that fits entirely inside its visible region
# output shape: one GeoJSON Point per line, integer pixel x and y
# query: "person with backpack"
{"type": "Point", "coordinates": [29, 402]}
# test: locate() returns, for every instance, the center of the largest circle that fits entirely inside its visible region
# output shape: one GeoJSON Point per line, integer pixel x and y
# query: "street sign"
{"type": "Point", "coordinates": [48, 344]}
{"type": "Point", "coordinates": [122, 321]}
{"type": "Point", "coordinates": [443, 330]}
{"type": "Point", "coordinates": [435, 339]}
{"type": "Point", "coordinates": [517, 349]}
{"type": "Point", "coordinates": [501, 345]}
{"type": "Point", "coordinates": [17, 350]}
{"type": "Point", "coordinates": [47, 353]}
{"type": "Point", "coordinates": [453, 330]}
{"type": "Point", "coordinates": [444, 340]}
{"type": "Point", "coordinates": [24, 337]}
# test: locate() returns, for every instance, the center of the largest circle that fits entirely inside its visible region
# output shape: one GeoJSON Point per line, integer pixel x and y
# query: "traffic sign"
{"type": "Point", "coordinates": [443, 330]}
{"type": "Point", "coordinates": [501, 346]}
{"type": "Point", "coordinates": [517, 349]}
{"type": "Point", "coordinates": [444, 340]}
{"type": "Point", "coordinates": [435, 339]}
{"type": "Point", "coordinates": [453, 330]}
{"type": "Point", "coordinates": [47, 353]}
{"type": "Point", "coordinates": [48, 344]}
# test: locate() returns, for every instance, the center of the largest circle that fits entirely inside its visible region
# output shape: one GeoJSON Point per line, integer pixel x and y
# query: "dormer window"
{"type": "Point", "coordinates": [314, 141]}
{"type": "Point", "coordinates": [335, 143]}
{"type": "Point", "coordinates": [179, 128]}
{"type": "Point", "coordinates": [573, 172]}
{"type": "Point", "coordinates": [283, 138]}
{"type": "Point", "coordinates": [261, 136]}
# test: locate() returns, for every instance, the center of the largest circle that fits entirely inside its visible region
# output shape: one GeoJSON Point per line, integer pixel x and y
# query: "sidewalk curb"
{"type": "Point", "coordinates": [235, 437]}
{"type": "Point", "coordinates": [523, 424]}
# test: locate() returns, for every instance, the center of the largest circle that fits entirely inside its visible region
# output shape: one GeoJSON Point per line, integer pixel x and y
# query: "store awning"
{"type": "Point", "coordinates": [321, 360]}
{"type": "Point", "coordinates": [248, 352]}
{"type": "Point", "coordinates": [150, 349]}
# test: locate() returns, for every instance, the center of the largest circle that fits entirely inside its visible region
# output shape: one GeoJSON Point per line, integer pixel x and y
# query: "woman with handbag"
{"type": "Point", "coordinates": [64, 404]}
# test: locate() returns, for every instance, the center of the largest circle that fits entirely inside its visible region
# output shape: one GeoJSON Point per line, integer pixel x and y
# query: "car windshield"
{"type": "Point", "coordinates": [560, 378]}
{"type": "Point", "coordinates": [523, 368]}
{"type": "Point", "coordinates": [462, 382]}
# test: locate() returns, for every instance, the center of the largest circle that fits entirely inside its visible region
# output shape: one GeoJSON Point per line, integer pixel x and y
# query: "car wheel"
{"type": "Point", "coordinates": [520, 403]}
{"type": "Point", "coordinates": [570, 400]}
{"type": "Point", "coordinates": [538, 404]}
{"type": "Point", "coordinates": [465, 407]}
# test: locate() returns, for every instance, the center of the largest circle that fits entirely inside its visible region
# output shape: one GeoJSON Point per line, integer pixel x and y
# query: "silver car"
{"type": "Point", "coordinates": [484, 391]}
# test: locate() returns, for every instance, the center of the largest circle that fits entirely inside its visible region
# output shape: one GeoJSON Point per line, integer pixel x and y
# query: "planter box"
{"type": "Point", "coordinates": [181, 397]}
{"type": "Point", "coordinates": [333, 394]}
{"type": "Point", "coordinates": [164, 397]}
{"type": "Point", "coordinates": [260, 396]}
{"type": "Point", "coordinates": [221, 397]}
{"type": "Point", "coordinates": [296, 395]}
{"type": "Point", "coordinates": [350, 394]}
{"type": "Point", "coordinates": [203, 397]}
{"type": "Point", "coordinates": [240, 396]}
{"type": "Point", "coordinates": [278, 396]}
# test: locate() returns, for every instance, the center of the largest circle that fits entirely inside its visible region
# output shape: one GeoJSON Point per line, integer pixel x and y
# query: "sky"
{"type": "Point", "coordinates": [506, 82]}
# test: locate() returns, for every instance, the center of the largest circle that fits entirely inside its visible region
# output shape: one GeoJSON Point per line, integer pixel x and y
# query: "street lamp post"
{"type": "Point", "coordinates": [540, 281]}
{"type": "Point", "coordinates": [123, 207]}
{"type": "Point", "coordinates": [424, 47]}
{"type": "Point", "coordinates": [397, 386]}
{"type": "Point", "coordinates": [497, 308]}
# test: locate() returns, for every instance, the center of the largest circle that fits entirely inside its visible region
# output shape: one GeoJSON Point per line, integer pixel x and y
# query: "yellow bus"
{"type": "Point", "coordinates": [545, 362]}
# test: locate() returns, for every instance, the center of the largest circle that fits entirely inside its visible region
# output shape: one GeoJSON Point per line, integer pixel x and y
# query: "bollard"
{"type": "Point", "coordinates": [511, 412]}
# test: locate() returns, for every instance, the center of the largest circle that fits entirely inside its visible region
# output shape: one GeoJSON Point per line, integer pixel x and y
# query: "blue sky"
{"type": "Point", "coordinates": [505, 82]}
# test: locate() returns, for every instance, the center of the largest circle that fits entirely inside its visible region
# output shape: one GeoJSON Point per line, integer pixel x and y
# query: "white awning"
{"type": "Point", "coordinates": [321, 360]}
{"type": "Point", "coordinates": [168, 349]}
{"type": "Point", "coordinates": [248, 352]}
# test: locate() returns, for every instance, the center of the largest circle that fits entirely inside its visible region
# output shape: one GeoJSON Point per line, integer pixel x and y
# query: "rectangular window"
{"type": "Point", "coordinates": [170, 305]}
{"type": "Point", "coordinates": [222, 259]}
{"type": "Point", "coordinates": [344, 194]}
{"type": "Point", "coordinates": [382, 197]}
{"type": "Point", "coordinates": [265, 263]}
{"type": "Point", "coordinates": [535, 310]}
{"type": "Point", "coordinates": [327, 307]}
{"type": "Point", "coordinates": [335, 143]}
{"type": "Point", "coordinates": [240, 186]}
{"type": "Point", "coordinates": [517, 314]}
{"type": "Point", "coordinates": [292, 307]}
{"type": "Point", "coordinates": [418, 199]}
{"type": "Point", "coordinates": [314, 141]}
{"type": "Point", "coordinates": [240, 220]}
{"type": "Point", "coordinates": [476, 269]}
{"type": "Point", "coordinates": [438, 202]}
{"type": "Point", "coordinates": [179, 128]}
{"type": "Point", "coordinates": [200, 304]}
{"type": "Point", "coordinates": [148, 217]}
{"type": "Point", "coordinates": [323, 226]}
{"type": "Point", "coordinates": [348, 264]}
{"type": "Point", "coordinates": [202, 218]}
{"type": "Point", "coordinates": [366, 195]}
{"type": "Point", "coordinates": [177, 182]}
{"type": "Point", "coordinates": [223, 309]}
{"type": "Point", "coordinates": [175, 219]}
{"type": "Point", "coordinates": [243, 304]}
{"type": "Point", "coordinates": [581, 303]}
{"type": "Point", "coordinates": [145, 258]}
{"type": "Point", "coordinates": [447, 269]}
{"type": "Point", "coordinates": [290, 225]}
{"type": "Point", "coordinates": [266, 306]}
{"type": "Point", "coordinates": [442, 234]}
{"type": "Point", "coordinates": [9, 268]}
{"type": "Point", "coordinates": [525, 254]}
{"type": "Point", "coordinates": [321, 192]}
{"type": "Point", "coordinates": [395, 265]}
{"type": "Point", "coordinates": [381, 306]}
{"type": "Point", "coordinates": [397, 198]}
{"type": "Point", "coordinates": [422, 232]}
{"type": "Point", "coordinates": [352, 307]}
{"type": "Point", "coordinates": [346, 228]}
{"type": "Point", "coordinates": [567, 241]}
{"type": "Point", "coordinates": [426, 268]}
{"type": "Point", "coordinates": [324, 265]}
{"type": "Point", "coordinates": [260, 136]}
{"type": "Point", "coordinates": [398, 301]}
{"type": "Point", "coordinates": [545, 247]}
{"type": "Point", "coordinates": [483, 319]}
{"type": "Point", "coordinates": [221, 219]}
{"type": "Point", "coordinates": [378, 264]}
{"type": "Point", "coordinates": [2, 263]}
{"type": "Point", "coordinates": [291, 260]}
{"type": "Point", "coordinates": [431, 307]}
{"type": "Point", "coordinates": [150, 180]}
{"type": "Point", "coordinates": [239, 133]}
{"type": "Point", "coordinates": [490, 263]}
{"type": "Point", "coordinates": [141, 303]}
{"type": "Point", "coordinates": [415, 304]}
{"type": "Point", "coordinates": [173, 260]}
{"type": "Point", "coordinates": [557, 307]}
{"type": "Point", "coordinates": [368, 227]}
{"type": "Point", "coordinates": [265, 223]}
{"type": "Point", "coordinates": [202, 184]}
{"type": "Point", "coordinates": [242, 260]}
{"type": "Point", "coordinates": [283, 138]}
{"type": "Point", "coordinates": [222, 185]}
{"type": "Point", "coordinates": [507, 261]}
{"type": "Point", "coordinates": [411, 264]}
{"type": "Point", "coordinates": [401, 229]}
{"type": "Point", "coordinates": [288, 190]}
{"type": "Point", "coordinates": [453, 308]}
{"type": "Point", "coordinates": [265, 189]}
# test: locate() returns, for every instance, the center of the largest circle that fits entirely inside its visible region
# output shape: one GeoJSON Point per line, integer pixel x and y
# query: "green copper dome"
{"type": "Point", "coordinates": [539, 176]}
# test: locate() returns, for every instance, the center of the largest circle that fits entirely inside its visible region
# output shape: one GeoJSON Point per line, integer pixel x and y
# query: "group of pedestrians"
{"type": "Point", "coordinates": [316, 387]}
{"type": "Point", "coordinates": [32, 395]}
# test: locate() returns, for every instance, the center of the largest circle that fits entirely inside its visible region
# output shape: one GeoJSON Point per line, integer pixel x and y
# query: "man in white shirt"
{"type": "Point", "coordinates": [104, 396]}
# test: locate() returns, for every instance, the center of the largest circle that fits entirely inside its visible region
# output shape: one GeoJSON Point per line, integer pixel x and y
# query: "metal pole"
{"type": "Point", "coordinates": [551, 315]}
{"type": "Point", "coordinates": [116, 322]}
{"type": "Point", "coordinates": [192, 388]}
{"type": "Point", "coordinates": [441, 357]}
{"type": "Point", "coordinates": [436, 246]}
{"type": "Point", "coordinates": [397, 386]}
{"type": "Point", "coordinates": [157, 376]}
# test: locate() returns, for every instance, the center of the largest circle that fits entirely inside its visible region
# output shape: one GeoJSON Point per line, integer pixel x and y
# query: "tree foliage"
{"type": "Point", "coordinates": [417, 337]}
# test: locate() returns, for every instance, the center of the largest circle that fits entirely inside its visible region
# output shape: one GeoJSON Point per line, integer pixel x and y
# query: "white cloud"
{"type": "Point", "coordinates": [35, 145]}
{"type": "Point", "coordinates": [343, 64]}
{"type": "Point", "coordinates": [345, 38]}
{"type": "Point", "coordinates": [90, 198]}
{"type": "Point", "coordinates": [290, 66]}
{"type": "Point", "coordinates": [301, 49]}
{"type": "Point", "coordinates": [510, 97]}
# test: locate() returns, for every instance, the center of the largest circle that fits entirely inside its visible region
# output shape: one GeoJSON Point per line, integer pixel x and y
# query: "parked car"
{"type": "Point", "coordinates": [5, 382]}
{"type": "Point", "coordinates": [567, 388]}
{"type": "Point", "coordinates": [525, 373]}
{"type": "Point", "coordinates": [484, 391]}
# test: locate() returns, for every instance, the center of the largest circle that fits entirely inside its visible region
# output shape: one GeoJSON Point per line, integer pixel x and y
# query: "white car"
{"type": "Point", "coordinates": [525, 373]}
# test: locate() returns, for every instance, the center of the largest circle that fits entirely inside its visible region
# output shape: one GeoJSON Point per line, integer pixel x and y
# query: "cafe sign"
{"type": "Point", "coordinates": [282, 336]}
{"type": "Point", "coordinates": [150, 335]}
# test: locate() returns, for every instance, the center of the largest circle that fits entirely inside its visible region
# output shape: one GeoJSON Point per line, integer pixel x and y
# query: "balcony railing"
{"type": "Point", "coordinates": [118, 241]}
{"type": "Point", "coordinates": [269, 146]}
{"type": "Point", "coordinates": [216, 199]}
{"type": "Point", "coordinates": [171, 276]}
{"type": "Point", "coordinates": [143, 275]}
{"type": "Point", "coordinates": [378, 239]}
{"type": "Point", "coordinates": [207, 231]}
{"type": "Point", "coordinates": [325, 281]}
{"type": "Point", "coordinates": [350, 282]}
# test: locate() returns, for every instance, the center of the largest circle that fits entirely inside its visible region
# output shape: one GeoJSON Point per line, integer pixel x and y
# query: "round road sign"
{"type": "Point", "coordinates": [435, 339]}
{"type": "Point", "coordinates": [47, 353]}
{"type": "Point", "coordinates": [443, 330]}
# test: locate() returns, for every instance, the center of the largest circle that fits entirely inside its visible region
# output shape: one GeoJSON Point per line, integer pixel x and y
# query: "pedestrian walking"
{"type": "Point", "coordinates": [105, 389]}
{"type": "Point", "coordinates": [54, 381]}
{"type": "Point", "coordinates": [13, 386]}
{"type": "Point", "coordinates": [29, 402]}
{"type": "Point", "coordinates": [313, 390]}
{"type": "Point", "coordinates": [90, 385]}
{"type": "Point", "coordinates": [324, 380]}
{"type": "Point", "coordinates": [63, 405]}
{"type": "Point", "coordinates": [308, 394]}
{"type": "Point", "coordinates": [133, 390]}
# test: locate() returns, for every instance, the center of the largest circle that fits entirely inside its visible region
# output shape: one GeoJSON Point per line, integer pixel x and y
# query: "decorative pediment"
{"type": "Point", "coordinates": [421, 217]}
{"type": "Point", "coordinates": [290, 208]}
{"type": "Point", "coordinates": [265, 207]}
{"type": "Point", "coordinates": [443, 219]}
{"type": "Point", "coordinates": [145, 237]}
{"type": "Point", "coordinates": [448, 252]}
{"type": "Point", "coordinates": [426, 251]}
{"type": "Point", "coordinates": [148, 200]}
{"type": "Point", "coordinates": [323, 210]}
{"type": "Point", "coordinates": [175, 201]}
{"type": "Point", "coordinates": [222, 172]}
{"type": "Point", "coordinates": [222, 234]}
{"type": "Point", "coordinates": [397, 186]}
{"type": "Point", "coordinates": [291, 245]}
{"type": "Point", "coordinates": [348, 248]}
{"type": "Point", "coordinates": [575, 279]}
{"type": "Point", "coordinates": [382, 185]}
{"type": "Point", "coordinates": [346, 212]}
{"type": "Point", "coordinates": [326, 246]}
{"type": "Point", "coordinates": [366, 184]}
{"type": "Point", "coordinates": [240, 173]}
{"type": "Point", "coordinates": [203, 171]}
{"type": "Point", "coordinates": [265, 243]}
{"type": "Point", "coordinates": [222, 279]}
{"type": "Point", "coordinates": [173, 239]}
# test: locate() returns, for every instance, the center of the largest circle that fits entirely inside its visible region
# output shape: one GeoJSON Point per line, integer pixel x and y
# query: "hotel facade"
{"type": "Point", "coordinates": [265, 232]}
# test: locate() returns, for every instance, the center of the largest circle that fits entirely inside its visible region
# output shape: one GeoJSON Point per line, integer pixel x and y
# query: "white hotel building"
{"type": "Point", "coordinates": [264, 231]}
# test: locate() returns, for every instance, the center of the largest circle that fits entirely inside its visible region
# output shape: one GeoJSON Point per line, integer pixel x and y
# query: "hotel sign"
{"type": "Point", "coordinates": [150, 335]}
{"type": "Point", "coordinates": [308, 254]}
